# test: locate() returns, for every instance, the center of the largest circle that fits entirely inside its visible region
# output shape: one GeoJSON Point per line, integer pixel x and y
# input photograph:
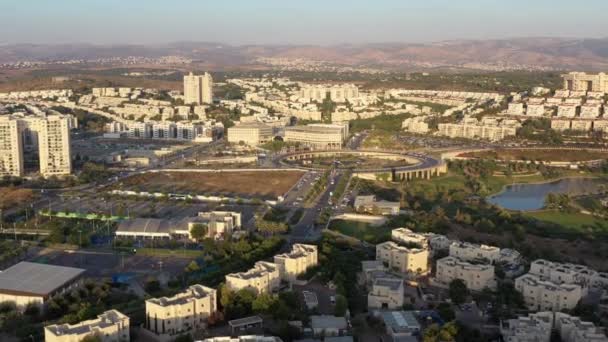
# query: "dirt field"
{"type": "Point", "coordinates": [14, 197]}
{"type": "Point", "coordinates": [248, 184]}
{"type": "Point", "coordinates": [545, 155]}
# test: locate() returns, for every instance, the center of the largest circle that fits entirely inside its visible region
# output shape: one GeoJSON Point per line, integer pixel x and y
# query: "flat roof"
{"type": "Point", "coordinates": [327, 322]}
{"type": "Point", "coordinates": [245, 321]}
{"type": "Point", "coordinates": [400, 321]}
{"type": "Point", "coordinates": [28, 278]}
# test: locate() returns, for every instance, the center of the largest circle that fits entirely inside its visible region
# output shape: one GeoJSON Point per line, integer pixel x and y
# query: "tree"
{"type": "Point", "coordinates": [193, 267]}
{"type": "Point", "coordinates": [341, 306]}
{"type": "Point", "coordinates": [199, 231]}
{"type": "Point", "coordinates": [434, 333]}
{"type": "Point", "coordinates": [263, 303]}
{"type": "Point", "coordinates": [458, 291]}
{"type": "Point", "coordinates": [446, 312]}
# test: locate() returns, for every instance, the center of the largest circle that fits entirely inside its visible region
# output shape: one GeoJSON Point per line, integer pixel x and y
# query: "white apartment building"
{"type": "Point", "coordinates": [475, 276]}
{"type": "Point", "coordinates": [546, 295]}
{"type": "Point", "coordinates": [535, 110]}
{"type": "Point", "coordinates": [413, 261]}
{"type": "Point", "coordinates": [169, 317]}
{"type": "Point", "coordinates": [264, 277]}
{"type": "Point", "coordinates": [473, 252]}
{"type": "Point", "coordinates": [560, 124]}
{"type": "Point", "coordinates": [244, 338]}
{"type": "Point", "coordinates": [581, 125]}
{"type": "Point", "coordinates": [337, 93]}
{"type": "Point", "coordinates": [535, 327]}
{"type": "Point", "coordinates": [11, 148]}
{"type": "Point", "coordinates": [387, 294]}
{"type": "Point", "coordinates": [415, 125]}
{"type": "Point", "coordinates": [573, 329]}
{"type": "Point", "coordinates": [318, 136]}
{"type": "Point", "coordinates": [296, 262]}
{"type": "Point", "coordinates": [580, 81]}
{"type": "Point", "coordinates": [476, 131]}
{"type": "Point", "coordinates": [251, 133]}
{"type": "Point", "coordinates": [405, 235]}
{"type": "Point", "coordinates": [569, 274]}
{"type": "Point", "coordinates": [110, 326]}
{"type": "Point", "coordinates": [46, 135]}
{"type": "Point", "coordinates": [198, 89]}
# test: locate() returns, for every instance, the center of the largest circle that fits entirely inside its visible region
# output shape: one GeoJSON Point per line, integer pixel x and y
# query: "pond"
{"type": "Point", "coordinates": [526, 197]}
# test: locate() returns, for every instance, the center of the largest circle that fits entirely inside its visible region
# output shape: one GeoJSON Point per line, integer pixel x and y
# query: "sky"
{"type": "Point", "coordinates": [320, 22]}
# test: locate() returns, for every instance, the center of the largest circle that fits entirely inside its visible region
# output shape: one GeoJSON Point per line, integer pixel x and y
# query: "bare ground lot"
{"type": "Point", "coordinates": [556, 155]}
{"type": "Point", "coordinates": [259, 184]}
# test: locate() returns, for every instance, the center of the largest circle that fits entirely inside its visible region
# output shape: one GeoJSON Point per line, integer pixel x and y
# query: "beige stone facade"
{"type": "Point", "coordinates": [198, 89]}
{"type": "Point", "coordinates": [298, 261]}
{"type": "Point", "coordinates": [48, 136]}
{"type": "Point", "coordinates": [110, 326]}
{"type": "Point", "coordinates": [546, 295]}
{"type": "Point", "coordinates": [184, 313]}
{"type": "Point", "coordinates": [11, 148]}
{"type": "Point", "coordinates": [264, 277]}
{"type": "Point", "coordinates": [580, 81]}
{"type": "Point", "coordinates": [318, 136]}
{"type": "Point", "coordinates": [412, 261]}
{"type": "Point", "coordinates": [475, 276]}
{"type": "Point", "coordinates": [252, 134]}
{"type": "Point", "coordinates": [386, 293]}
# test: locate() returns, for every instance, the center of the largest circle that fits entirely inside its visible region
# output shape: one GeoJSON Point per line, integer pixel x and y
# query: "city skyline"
{"type": "Point", "coordinates": [313, 22]}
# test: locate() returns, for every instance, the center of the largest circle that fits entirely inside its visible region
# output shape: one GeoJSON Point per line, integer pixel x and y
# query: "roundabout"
{"type": "Point", "coordinates": [369, 164]}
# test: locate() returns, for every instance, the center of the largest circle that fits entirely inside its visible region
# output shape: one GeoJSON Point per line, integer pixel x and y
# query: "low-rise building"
{"type": "Point", "coordinates": [386, 293]}
{"type": "Point", "coordinates": [318, 136]}
{"type": "Point", "coordinates": [546, 295]}
{"type": "Point", "coordinates": [535, 110]}
{"type": "Point", "coordinates": [401, 325]}
{"type": "Point", "coordinates": [218, 224]}
{"type": "Point", "coordinates": [569, 274]}
{"type": "Point", "coordinates": [251, 133]}
{"type": "Point", "coordinates": [475, 276]}
{"type": "Point", "coordinates": [412, 261]}
{"type": "Point", "coordinates": [539, 327]}
{"type": "Point", "coordinates": [264, 277]}
{"type": "Point", "coordinates": [573, 329]}
{"type": "Point", "coordinates": [371, 205]}
{"type": "Point", "coordinates": [404, 235]}
{"type": "Point", "coordinates": [535, 327]}
{"type": "Point", "coordinates": [325, 325]}
{"type": "Point", "coordinates": [29, 283]}
{"type": "Point", "coordinates": [244, 338]}
{"type": "Point", "coordinates": [581, 125]}
{"type": "Point", "coordinates": [184, 313]}
{"type": "Point", "coordinates": [110, 326]}
{"type": "Point", "coordinates": [473, 252]}
{"type": "Point", "coordinates": [298, 261]}
{"type": "Point", "coordinates": [560, 125]}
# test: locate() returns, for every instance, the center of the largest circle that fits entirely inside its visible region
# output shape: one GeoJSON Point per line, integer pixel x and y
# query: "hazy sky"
{"type": "Point", "coordinates": [295, 21]}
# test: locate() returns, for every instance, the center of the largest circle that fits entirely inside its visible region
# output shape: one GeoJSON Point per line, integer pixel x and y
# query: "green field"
{"type": "Point", "coordinates": [575, 221]}
{"type": "Point", "coordinates": [361, 230]}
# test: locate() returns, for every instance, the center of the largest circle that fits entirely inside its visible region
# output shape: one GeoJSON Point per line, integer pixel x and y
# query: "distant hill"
{"type": "Point", "coordinates": [524, 53]}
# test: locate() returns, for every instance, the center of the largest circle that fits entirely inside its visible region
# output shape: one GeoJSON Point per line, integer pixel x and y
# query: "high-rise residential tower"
{"type": "Point", "coordinates": [198, 89]}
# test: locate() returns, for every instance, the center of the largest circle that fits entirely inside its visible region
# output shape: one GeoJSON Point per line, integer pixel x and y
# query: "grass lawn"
{"type": "Point", "coordinates": [574, 221]}
{"type": "Point", "coordinates": [361, 230]}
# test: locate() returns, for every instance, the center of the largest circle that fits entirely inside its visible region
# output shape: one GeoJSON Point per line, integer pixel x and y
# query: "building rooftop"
{"type": "Point", "coordinates": [393, 284]}
{"type": "Point", "coordinates": [327, 322]}
{"type": "Point", "coordinates": [194, 291]}
{"type": "Point", "coordinates": [28, 278]}
{"type": "Point", "coordinates": [245, 321]}
{"type": "Point", "coordinates": [102, 321]}
{"type": "Point", "coordinates": [400, 321]}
